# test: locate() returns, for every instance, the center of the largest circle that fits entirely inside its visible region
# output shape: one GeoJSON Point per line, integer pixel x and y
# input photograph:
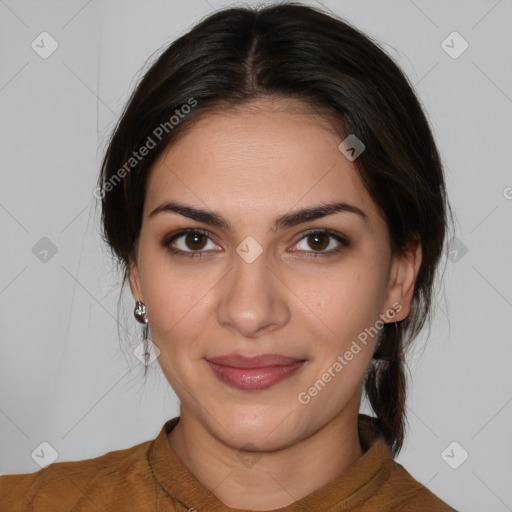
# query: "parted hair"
{"type": "Point", "coordinates": [291, 50]}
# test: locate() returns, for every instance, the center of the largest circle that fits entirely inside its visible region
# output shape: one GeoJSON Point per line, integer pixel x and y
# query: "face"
{"type": "Point", "coordinates": [263, 280]}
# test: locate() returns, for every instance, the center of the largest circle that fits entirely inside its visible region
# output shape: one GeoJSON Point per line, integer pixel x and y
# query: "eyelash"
{"type": "Point", "coordinates": [198, 254]}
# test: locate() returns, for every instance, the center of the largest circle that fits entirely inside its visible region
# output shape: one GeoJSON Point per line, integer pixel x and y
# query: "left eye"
{"type": "Point", "coordinates": [320, 241]}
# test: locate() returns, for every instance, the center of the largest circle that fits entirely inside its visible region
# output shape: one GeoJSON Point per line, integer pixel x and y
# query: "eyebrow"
{"type": "Point", "coordinates": [284, 221]}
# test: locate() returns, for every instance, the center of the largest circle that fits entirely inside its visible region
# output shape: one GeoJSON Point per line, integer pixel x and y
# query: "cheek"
{"type": "Point", "coordinates": [167, 290]}
{"type": "Point", "coordinates": [349, 300]}
{"type": "Point", "coordinates": [178, 307]}
{"type": "Point", "coordinates": [175, 316]}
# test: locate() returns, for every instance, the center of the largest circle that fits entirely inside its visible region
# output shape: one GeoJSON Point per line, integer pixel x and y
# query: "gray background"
{"type": "Point", "coordinates": [64, 377]}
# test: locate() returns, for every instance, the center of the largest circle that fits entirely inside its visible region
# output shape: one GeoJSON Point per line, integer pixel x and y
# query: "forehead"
{"type": "Point", "coordinates": [263, 158]}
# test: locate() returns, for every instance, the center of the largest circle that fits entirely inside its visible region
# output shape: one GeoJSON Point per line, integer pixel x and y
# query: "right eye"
{"type": "Point", "coordinates": [189, 243]}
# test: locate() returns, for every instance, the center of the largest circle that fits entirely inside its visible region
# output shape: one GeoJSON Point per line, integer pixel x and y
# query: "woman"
{"type": "Point", "coordinates": [276, 200]}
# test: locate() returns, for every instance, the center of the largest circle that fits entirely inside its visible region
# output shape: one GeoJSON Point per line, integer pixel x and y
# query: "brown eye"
{"type": "Point", "coordinates": [318, 241]}
{"type": "Point", "coordinates": [321, 243]}
{"type": "Point", "coordinates": [195, 241]}
{"type": "Point", "coordinates": [190, 242]}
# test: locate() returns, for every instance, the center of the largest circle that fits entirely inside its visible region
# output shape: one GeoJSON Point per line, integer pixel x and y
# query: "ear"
{"type": "Point", "coordinates": [404, 271]}
{"type": "Point", "coordinates": [134, 277]}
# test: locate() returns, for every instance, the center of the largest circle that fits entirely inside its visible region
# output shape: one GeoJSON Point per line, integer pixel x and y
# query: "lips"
{"type": "Point", "coordinates": [239, 361]}
{"type": "Point", "coordinates": [256, 372]}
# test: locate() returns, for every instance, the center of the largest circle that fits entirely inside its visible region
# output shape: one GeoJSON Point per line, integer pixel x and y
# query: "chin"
{"type": "Point", "coordinates": [260, 427]}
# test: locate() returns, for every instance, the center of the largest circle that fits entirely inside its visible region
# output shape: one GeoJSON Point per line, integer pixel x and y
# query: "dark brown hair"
{"type": "Point", "coordinates": [291, 50]}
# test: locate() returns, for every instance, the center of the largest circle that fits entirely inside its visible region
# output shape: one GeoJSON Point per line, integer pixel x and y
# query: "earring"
{"type": "Point", "coordinates": [140, 312]}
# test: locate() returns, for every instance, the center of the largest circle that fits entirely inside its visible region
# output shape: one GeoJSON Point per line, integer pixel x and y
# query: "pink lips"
{"type": "Point", "coordinates": [254, 373]}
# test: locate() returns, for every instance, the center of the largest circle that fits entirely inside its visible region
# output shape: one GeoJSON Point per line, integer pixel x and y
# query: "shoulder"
{"type": "Point", "coordinates": [412, 495]}
{"type": "Point", "coordinates": [397, 490]}
{"type": "Point", "coordinates": [88, 484]}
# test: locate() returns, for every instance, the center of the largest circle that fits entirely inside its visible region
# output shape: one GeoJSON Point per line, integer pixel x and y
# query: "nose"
{"type": "Point", "coordinates": [253, 299]}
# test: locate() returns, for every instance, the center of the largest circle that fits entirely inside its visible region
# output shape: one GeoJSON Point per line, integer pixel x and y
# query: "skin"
{"type": "Point", "coordinates": [251, 165]}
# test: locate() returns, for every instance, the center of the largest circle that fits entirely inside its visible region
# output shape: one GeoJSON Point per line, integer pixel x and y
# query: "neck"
{"type": "Point", "coordinates": [269, 480]}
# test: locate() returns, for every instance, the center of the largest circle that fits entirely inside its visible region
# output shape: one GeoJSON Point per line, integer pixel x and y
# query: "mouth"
{"type": "Point", "coordinates": [254, 373]}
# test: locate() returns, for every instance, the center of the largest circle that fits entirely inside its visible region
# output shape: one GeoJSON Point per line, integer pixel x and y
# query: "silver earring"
{"type": "Point", "coordinates": [140, 312]}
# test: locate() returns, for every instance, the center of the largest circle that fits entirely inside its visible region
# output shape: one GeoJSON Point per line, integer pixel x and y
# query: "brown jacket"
{"type": "Point", "coordinates": [150, 477]}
